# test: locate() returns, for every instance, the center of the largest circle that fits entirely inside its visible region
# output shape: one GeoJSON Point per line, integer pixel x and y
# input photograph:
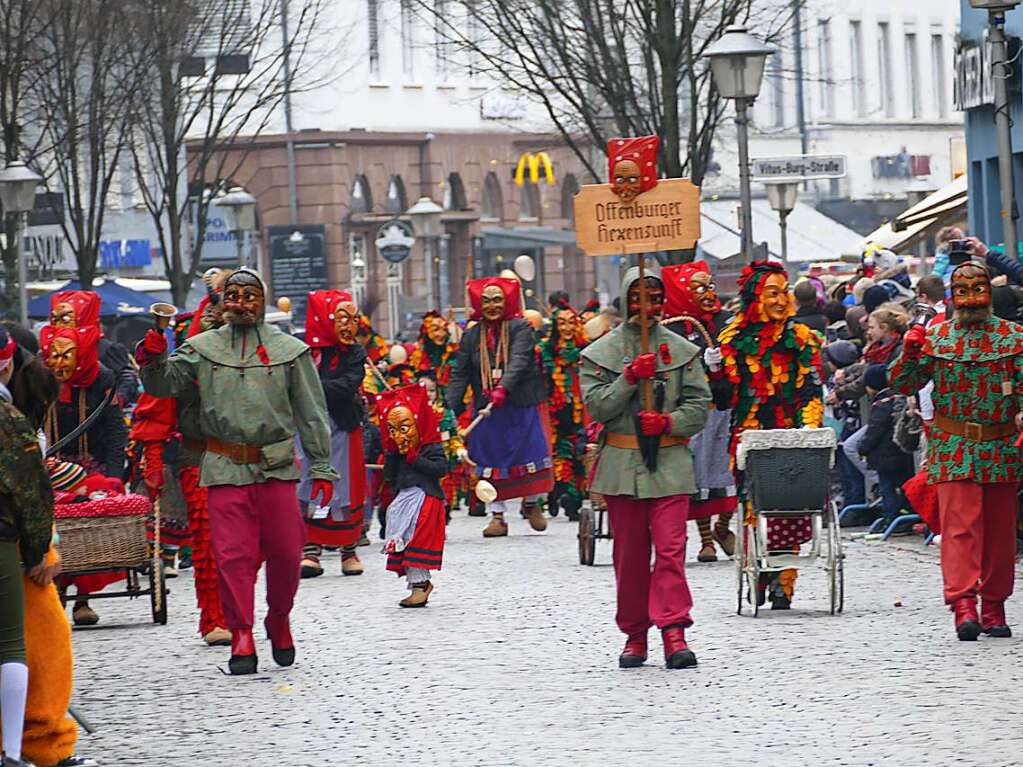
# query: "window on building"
{"type": "Point", "coordinates": [859, 100]}
{"type": "Point", "coordinates": [442, 43]}
{"type": "Point", "coordinates": [913, 75]}
{"type": "Point", "coordinates": [373, 26]}
{"type": "Point", "coordinates": [529, 201]}
{"type": "Point", "coordinates": [492, 204]}
{"type": "Point", "coordinates": [232, 64]}
{"type": "Point", "coordinates": [408, 39]}
{"type": "Point", "coordinates": [454, 193]}
{"type": "Point", "coordinates": [192, 66]}
{"type": "Point", "coordinates": [396, 202]}
{"type": "Point", "coordinates": [884, 70]}
{"type": "Point", "coordinates": [939, 77]}
{"type": "Point", "coordinates": [824, 73]}
{"type": "Point", "coordinates": [362, 202]}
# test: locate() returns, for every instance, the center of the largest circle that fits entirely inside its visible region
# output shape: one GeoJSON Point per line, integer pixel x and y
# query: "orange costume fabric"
{"type": "Point", "coordinates": [50, 735]}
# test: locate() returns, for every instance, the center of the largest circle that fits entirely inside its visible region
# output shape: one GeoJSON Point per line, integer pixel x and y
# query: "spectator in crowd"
{"type": "Point", "coordinates": [942, 268]}
{"type": "Point", "coordinates": [874, 296]}
{"type": "Point", "coordinates": [930, 290]}
{"type": "Point", "coordinates": [877, 445]}
{"type": "Point", "coordinates": [856, 325]}
{"type": "Point", "coordinates": [808, 307]}
{"type": "Point", "coordinates": [839, 355]}
{"type": "Point", "coordinates": [885, 328]}
{"type": "Point", "coordinates": [834, 313]}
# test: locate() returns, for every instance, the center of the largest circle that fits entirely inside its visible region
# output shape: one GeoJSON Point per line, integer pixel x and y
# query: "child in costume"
{"type": "Point", "coordinates": [414, 465]}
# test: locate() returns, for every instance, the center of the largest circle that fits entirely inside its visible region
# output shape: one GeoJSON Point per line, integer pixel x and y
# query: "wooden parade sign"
{"type": "Point", "coordinates": [667, 217]}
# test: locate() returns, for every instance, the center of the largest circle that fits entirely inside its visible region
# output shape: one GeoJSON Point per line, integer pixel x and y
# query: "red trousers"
{"type": "Point", "coordinates": [978, 539]}
{"type": "Point", "coordinates": [659, 597]}
{"type": "Point", "coordinates": [251, 524]}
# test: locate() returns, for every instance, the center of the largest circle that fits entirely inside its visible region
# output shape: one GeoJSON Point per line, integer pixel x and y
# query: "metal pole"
{"type": "Point", "coordinates": [19, 253]}
{"type": "Point", "coordinates": [238, 235]}
{"type": "Point", "coordinates": [783, 225]}
{"type": "Point", "coordinates": [1000, 71]}
{"type": "Point", "coordinates": [745, 193]}
{"type": "Point", "coordinates": [428, 270]}
{"type": "Point", "coordinates": [797, 43]}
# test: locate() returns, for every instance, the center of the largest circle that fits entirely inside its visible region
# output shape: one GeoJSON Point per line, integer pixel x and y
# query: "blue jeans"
{"type": "Point", "coordinates": [892, 500]}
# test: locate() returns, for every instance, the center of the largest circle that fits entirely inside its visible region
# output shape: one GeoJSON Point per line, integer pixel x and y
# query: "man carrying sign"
{"type": "Point", "coordinates": [645, 469]}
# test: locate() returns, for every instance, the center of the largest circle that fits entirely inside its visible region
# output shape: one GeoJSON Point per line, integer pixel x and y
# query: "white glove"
{"type": "Point", "coordinates": [462, 454]}
{"type": "Point", "coordinates": [712, 358]}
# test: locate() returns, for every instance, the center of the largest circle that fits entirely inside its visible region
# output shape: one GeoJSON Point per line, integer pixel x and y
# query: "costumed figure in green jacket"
{"type": "Point", "coordinates": [258, 387]}
{"type": "Point", "coordinates": [644, 468]}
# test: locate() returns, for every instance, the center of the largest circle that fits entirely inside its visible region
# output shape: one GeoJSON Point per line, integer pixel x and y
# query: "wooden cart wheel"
{"type": "Point", "coordinates": [587, 538]}
{"type": "Point", "coordinates": [157, 591]}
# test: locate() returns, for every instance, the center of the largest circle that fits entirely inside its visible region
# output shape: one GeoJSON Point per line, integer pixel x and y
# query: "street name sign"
{"type": "Point", "coordinates": [666, 217]}
{"type": "Point", "coordinates": [806, 167]}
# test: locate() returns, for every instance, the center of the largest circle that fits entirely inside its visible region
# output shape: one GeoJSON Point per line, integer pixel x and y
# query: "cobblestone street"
{"type": "Point", "coordinates": [514, 663]}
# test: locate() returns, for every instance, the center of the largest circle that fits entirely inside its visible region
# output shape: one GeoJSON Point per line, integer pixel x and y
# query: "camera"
{"type": "Point", "coordinates": [958, 252]}
{"type": "Point", "coordinates": [923, 313]}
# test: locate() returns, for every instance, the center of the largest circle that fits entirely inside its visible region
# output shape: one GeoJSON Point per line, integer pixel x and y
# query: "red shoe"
{"type": "Point", "coordinates": [634, 654]}
{"type": "Point", "coordinates": [992, 618]}
{"type": "Point", "coordinates": [278, 628]}
{"type": "Point", "coordinates": [967, 622]}
{"type": "Point", "coordinates": [243, 652]}
{"type": "Point", "coordinates": [676, 652]}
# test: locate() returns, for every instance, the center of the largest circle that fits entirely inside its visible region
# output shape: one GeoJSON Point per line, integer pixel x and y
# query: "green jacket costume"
{"type": "Point", "coordinates": [612, 401]}
{"type": "Point", "coordinates": [26, 495]}
{"type": "Point", "coordinates": [250, 394]}
{"type": "Point", "coordinates": [978, 378]}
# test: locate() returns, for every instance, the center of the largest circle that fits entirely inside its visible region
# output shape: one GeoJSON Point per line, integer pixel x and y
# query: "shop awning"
{"type": "Point", "coordinates": [117, 300]}
{"type": "Point", "coordinates": [946, 206]}
{"type": "Point", "coordinates": [812, 236]}
{"type": "Point", "coordinates": [502, 238]}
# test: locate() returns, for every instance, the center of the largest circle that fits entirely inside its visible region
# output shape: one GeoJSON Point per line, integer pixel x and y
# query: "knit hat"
{"type": "Point", "coordinates": [66, 476]}
{"type": "Point", "coordinates": [874, 296]}
{"type": "Point", "coordinates": [876, 377]}
{"type": "Point", "coordinates": [841, 353]}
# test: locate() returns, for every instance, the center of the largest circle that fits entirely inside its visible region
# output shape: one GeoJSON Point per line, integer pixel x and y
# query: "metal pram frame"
{"type": "Point", "coordinates": [787, 474]}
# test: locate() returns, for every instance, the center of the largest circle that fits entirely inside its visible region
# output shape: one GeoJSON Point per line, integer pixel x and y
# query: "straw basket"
{"type": "Point", "coordinates": [102, 543]}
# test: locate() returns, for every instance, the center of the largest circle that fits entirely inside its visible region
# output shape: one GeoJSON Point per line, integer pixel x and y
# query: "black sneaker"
{"type": "Point", "coordinates": [78, 761]}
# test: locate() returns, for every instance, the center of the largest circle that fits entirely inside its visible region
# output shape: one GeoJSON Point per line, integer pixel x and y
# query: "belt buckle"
{"type": "Point", "coordinates": [972, 430]}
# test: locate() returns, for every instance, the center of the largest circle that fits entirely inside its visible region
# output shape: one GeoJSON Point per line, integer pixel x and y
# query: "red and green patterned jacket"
{"type": "Point", "coordinates": [978, 377]}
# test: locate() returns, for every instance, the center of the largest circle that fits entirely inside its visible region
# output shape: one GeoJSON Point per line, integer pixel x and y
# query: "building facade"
{"type": "Point", "coordinates": [877, 79]}
{"type": "Point", "coordinates": [976, 92]}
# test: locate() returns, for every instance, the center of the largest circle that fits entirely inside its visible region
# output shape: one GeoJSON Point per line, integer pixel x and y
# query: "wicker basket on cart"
{"type": "Point", "coordinates": [589, 459]}
{"type": "Point", "coordinates": [788, 469]}
{"type": "Point", "coordinates": [102, 535]}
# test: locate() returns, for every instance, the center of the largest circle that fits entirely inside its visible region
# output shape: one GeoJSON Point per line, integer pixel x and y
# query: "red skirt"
{"type": "Point", "coordinates": [426, 549]}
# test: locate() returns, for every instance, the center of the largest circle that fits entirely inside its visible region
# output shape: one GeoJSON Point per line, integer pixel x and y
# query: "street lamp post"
{"type": "Point", "coordinates": [783, 197]}
{"type": "Point", "coordinates": [1001, 71]}
{"type": "Point", "coordinates": [17, 195]}
{"type": "Point", "coordinates": [243, 205]}
{"type": "Point", "coordinates": [426, 223]}
{"type": "Point", "coordinates": [737, 62]}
